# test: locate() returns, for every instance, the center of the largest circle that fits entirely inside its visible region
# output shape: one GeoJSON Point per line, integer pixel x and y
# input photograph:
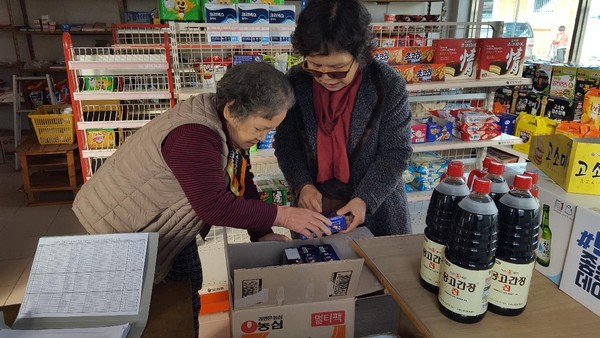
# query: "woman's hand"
{"type": "Point", "coordinates": [311, 198]}
{"type": "Point", "coordinates": [357, 209]}
{"type": "Point", "coordinates": [302, 221]}
{"type": "Point", "coordinates": [274, 237]}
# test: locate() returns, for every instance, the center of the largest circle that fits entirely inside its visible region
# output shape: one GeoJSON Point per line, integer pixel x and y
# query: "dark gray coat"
{"type": "Point", "coordinates": [376, 168]}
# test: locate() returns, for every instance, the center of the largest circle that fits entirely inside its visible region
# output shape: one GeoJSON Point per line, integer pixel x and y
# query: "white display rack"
{"type": "Point", "coordinates": [118, 89]}
{"type": "Point", "coordinates": [198, 63]}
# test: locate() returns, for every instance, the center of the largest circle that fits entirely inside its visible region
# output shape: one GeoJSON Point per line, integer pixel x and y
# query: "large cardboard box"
{"type": "Point", "coordinates": [573, 164]}
{"type": "Point", "coordinates": [581, 275]}
{"type": "Point", "coordinates": [299, 300]}
{"type": "Point", "coordinates": [563, 207]}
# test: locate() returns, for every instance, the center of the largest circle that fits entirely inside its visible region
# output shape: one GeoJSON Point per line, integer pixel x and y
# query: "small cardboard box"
{"type": "Point", "coordinates": [501, 57]}
{"type": "Point", "coordinates": [581, 275]}
{"type": "Point", "coordinates": [541, 78]}
{"type": "Point", "coordinates": [563, 208]}
{"type": "Point", "coordinates": [404, 55]}
{"type": "Point", "coordinates": [439, 130]}
{"type": "Point", "coordinates": [573, 164]}
{"type": "Point", "coordinates": [315, 299]}
{"type": "Point", "coordinates": [460, 57]}
{"type": "Point", "coordinates": [418, 132]}
{"type": "Point", "coordinates": [562, 83]}
{"type": "Point", "coordinates": [560, 109]}
{"type": "Point", "coordinates": [586, 79]}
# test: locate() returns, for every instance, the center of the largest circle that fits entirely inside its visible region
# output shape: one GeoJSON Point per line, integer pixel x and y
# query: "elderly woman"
{"type": "Point", "coordinates": [345, 143]}
{"type": "Point", "coordinates": [189, 168]}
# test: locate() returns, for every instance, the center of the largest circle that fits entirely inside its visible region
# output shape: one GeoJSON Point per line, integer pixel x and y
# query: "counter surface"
{"type": "Point", "coordinates": [395, 260]}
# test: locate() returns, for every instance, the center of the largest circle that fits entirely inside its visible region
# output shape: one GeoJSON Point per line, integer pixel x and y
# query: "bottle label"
{"type": "Point", "coordinates": [431, 261]}
{"type": "Point", "coordinates": [510, 284]}
{"type": "Point", "coordinates": [543, 252]}
{"type": "Point", "coordinates": [464, 291]}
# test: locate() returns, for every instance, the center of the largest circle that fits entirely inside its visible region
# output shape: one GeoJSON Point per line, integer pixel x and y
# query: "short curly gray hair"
{"type": "Point", "coordinates": [254, 88]}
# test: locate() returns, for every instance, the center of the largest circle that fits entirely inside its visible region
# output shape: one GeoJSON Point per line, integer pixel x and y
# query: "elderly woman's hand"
{"type": "Point", "coordinates": [302, 221]}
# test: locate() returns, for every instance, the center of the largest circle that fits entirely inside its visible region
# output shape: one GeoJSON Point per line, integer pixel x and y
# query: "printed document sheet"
{"type": "Point", "coordinates": [97, 275]}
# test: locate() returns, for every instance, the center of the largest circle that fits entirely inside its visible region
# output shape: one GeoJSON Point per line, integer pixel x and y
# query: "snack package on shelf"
{"type": "Point", "coordinates": [418, 131]}
{"type": "Point", "coordinates": [273, 191]}
{"type": "Point", "coordinates": [501, 57]}
{"type": "Point", "coordinates": [561, 109]}
{"type": "Point", "coordinates": [591, 108]}
{"type": "Point", "coordinates": [476, 125]}
{"type": "Point", "coordinates": [587, 78]}
{"type": "Point", "coordinates": [562, 83]}
{"type": "Point", "coordinates": [527, 101]}
{"type": "Point", "coordinates": [503, 98]}
{"type": "Point", "coordinates": [507, 123]}
{"type": "Point", "coordinates": [404, 55]}
{"type": "Point", "coordinates": [459, 57]}
{"type": "Point", "coordinates": [427, 168]}
{"type": "Point", "coordinates": [575, 129]}
{"type": "Point", "coordinates": [439, 130]}
{"type": "Point", "coordinates": [267, 143]}
{"type": "Point", "coordinates": [417, 73]}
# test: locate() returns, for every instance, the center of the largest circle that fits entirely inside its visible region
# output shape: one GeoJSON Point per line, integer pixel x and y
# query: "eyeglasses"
{"type": "Point", "coordinates": [333, 75]}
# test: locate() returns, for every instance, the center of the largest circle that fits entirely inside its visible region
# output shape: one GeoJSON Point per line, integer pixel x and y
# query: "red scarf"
{"type": "Point", "coordinates": [333, 111]}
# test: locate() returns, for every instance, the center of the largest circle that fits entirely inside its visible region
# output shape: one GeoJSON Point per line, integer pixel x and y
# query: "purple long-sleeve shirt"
{"type": "Point", "coordinates": [193, 153]}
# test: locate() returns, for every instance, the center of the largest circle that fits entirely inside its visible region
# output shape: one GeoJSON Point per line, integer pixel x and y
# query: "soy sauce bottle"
{"type": "Point", "coordinates": [499, 185]}
{"type": "Point", "coordinates": [469, 256]}
{"type": "Point", "coordinates": [515, 255]}
{"type": "Point", "coordinates": [442, 207]}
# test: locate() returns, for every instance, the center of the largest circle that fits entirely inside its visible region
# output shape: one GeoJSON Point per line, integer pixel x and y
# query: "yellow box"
{"type": "Point", "coordinates": [574, 164]}
{"type": "Point", "coordinates": [527, 126]}
{"type": "Point", "coordinates": [100, 138]}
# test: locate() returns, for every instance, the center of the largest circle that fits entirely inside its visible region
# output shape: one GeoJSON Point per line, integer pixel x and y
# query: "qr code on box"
{"type": "Point", "coordinates": [251, 287]}
{"type": "Point", "coordinates": [340, 282]}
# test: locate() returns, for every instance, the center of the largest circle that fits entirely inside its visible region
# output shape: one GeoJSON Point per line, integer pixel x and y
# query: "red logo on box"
{"type": "Point", "coordinates": [328, 318]}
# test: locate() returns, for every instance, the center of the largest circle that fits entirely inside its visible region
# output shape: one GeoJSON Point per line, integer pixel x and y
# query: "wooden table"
{"type": "Point", "coordinates": [39, 164]}
{"type": "Point", "coordinates": [170, 311]}
{"type": "Point", "coordinates": [395, 260]}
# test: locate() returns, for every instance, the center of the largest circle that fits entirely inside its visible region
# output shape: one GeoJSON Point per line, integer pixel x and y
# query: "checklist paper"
{"type": "Point", "coordinates": [97, 275]}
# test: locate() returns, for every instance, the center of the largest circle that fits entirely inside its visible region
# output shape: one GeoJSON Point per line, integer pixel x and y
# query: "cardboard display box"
{"type": "Point", "coordinates": [501, 57]}
{"type": "Point", "coordinates": [314, 299]}
{"type": "Point", "coordinates": [572, 163]}
{"type": "Point", "coordinates": [562, 83]}
{"type": "Point", "coordinates": [563, 208]}
{"type": "Point", "coordinates": [460, 57]}
{"type": "Point", "coordinates": [581, 276]}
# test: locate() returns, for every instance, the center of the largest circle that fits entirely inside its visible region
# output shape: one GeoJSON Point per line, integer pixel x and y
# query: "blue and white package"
{"type": "Point", "coordinates": [338, 223]}
{"type": "Point", "coordinates": [250, 14]}
{"type": "Point", "coordinates": [216, 13]}
{"type": "Point", "coordinates": [283, 19]}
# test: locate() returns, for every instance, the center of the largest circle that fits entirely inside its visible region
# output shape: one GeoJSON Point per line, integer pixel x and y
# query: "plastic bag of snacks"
{"type": "Point", "coordinates": [427, 168]}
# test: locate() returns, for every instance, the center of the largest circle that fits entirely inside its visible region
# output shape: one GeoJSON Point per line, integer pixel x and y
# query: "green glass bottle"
{"type": "Point", "coordinates": [543, 251]}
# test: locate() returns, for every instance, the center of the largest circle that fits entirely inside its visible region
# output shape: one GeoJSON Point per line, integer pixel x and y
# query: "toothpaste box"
{"type": "Point", "coordinates": [216, 13]}
{"type": "Point", "coordinates": [501, 57]}
{"type": "Point", "coordinates": [285, 18]}
{"type": "Point", "coordinates": [254, 14]}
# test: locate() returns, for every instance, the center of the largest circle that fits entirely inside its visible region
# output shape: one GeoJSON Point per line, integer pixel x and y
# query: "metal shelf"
{"type": "Point", "coordinates": [487, 83]}
{"type": "Point", "coordinates": [104, 32]}
{"type": "Point", "coordinates": [111, 124]}
{"type": "Point", "coordinates": [457, 143]}
{"type": "Point", "coordinates": [97, 153]}
{"type": "Point", "coordinates": [79, 65]}
{"type": "Point", "coordinates": [95, 95]}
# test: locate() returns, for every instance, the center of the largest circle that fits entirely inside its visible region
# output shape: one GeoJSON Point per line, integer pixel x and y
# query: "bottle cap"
{"type": "Point", "coordinates": [496, 168]}
{"type": "Point", "coordinates": [533, 175]}
{"type": "Point", "coordinates": [522, 182]}
{"type": "Point", "coordinates": [456, 169]}
{"type": "Point", "coordinates": [482, 185]}
{"type": "Point", "coordinates": [487, 161]}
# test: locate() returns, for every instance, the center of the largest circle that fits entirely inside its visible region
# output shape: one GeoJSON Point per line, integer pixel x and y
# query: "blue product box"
{"type": "Point", "coordinates": [310, 254]}
{"type": "Point", "coordinates": [507, 123]}
{"type": "Point", "coordinates": [438, 130]}
{"type": "Point", "coordinates": [292, 256]}
{"type": "Point", "coordinates": [239, 59]}
{"type": "Point", "coordinates": [282, 14]}
{"type": "Point", "coordinates": [328, 253]}
{"type": "Point", "coordinates": [338, 223]}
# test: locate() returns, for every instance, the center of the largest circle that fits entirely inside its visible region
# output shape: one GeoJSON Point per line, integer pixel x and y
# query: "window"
{"type": "Point", "coordinates": [541, 6]}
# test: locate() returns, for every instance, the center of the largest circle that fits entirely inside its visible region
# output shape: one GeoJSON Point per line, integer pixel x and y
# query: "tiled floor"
{"type": "Point", "coordinates": [20, 228]}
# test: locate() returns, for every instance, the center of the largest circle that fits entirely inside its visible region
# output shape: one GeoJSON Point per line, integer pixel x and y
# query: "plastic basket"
{"type": "Point", "coordinates": [138, 17]}
{"type": "Point", "coordinates": [51, 127]}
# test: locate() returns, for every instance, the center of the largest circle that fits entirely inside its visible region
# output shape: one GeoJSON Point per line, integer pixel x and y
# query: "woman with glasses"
{"type": "Point", "coordinates": [344, 144]}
